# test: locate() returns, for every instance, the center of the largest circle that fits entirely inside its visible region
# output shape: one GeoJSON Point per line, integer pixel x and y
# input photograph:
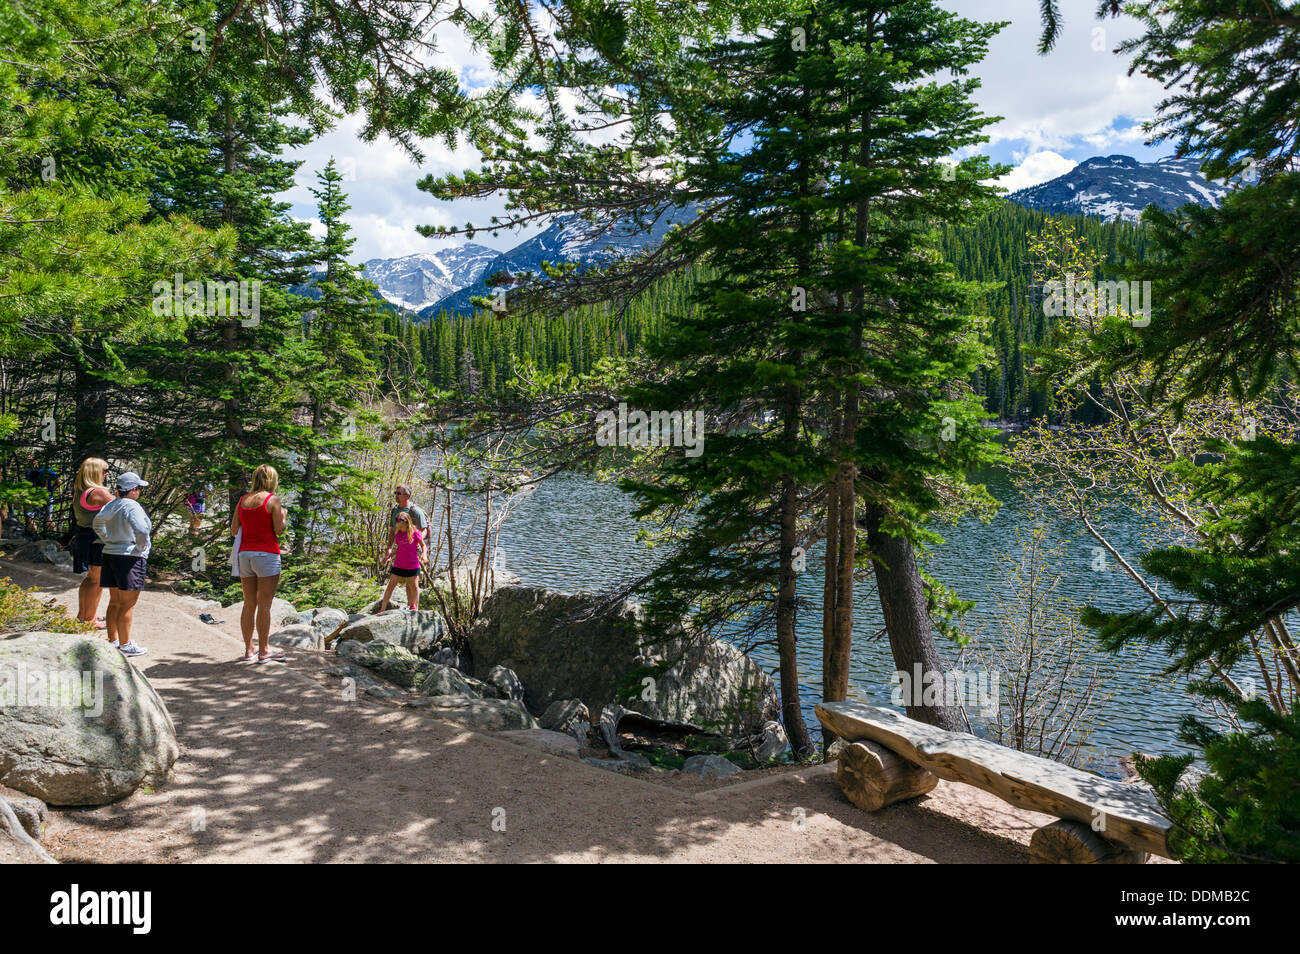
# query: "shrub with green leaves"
{"type": "Point", "coordinates": [23, 611]}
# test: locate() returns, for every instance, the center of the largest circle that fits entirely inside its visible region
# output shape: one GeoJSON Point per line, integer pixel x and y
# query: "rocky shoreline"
{"type": "Point", "coordinates": [537, 664]}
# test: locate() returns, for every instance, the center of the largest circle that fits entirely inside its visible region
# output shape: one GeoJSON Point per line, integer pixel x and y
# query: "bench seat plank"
{"type": "Point", "coordinates": [1131, 814]}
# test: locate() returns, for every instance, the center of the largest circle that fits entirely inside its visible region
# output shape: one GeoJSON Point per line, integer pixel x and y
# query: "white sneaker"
{"type": "Point", "coordinates": [131, 649]}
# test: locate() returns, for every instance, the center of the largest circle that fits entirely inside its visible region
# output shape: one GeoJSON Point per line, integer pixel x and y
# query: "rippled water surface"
{"type": "Point", "coordinates": [574, 533]}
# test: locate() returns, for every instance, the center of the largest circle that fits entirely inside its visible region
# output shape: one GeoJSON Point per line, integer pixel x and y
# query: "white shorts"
{"type": "Point", "coordinates": [258, 563]}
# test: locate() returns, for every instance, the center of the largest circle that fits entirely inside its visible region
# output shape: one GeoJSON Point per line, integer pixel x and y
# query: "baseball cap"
{"type": "Point", "coordinates": [130, 480]}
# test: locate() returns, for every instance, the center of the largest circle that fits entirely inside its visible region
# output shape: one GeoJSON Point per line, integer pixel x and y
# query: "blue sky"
{"type": "Point", "coordinates": [1057, 110]}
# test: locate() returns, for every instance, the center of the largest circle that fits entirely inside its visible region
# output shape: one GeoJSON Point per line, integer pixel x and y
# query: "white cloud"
{"type": "Point", "coordinates": [379, 179]}
{"type": "Point", "coordinates": [1039, 167]}
{"type": "Point", "coordinates": [1076, 101]}
{"type": "Point", "coordinates": [1109, 138]}
{"type": "Point", "coordinates": [1079, 89]}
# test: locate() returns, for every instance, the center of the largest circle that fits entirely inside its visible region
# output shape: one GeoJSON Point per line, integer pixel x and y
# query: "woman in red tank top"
{"type": "Point", "coordinates": [256, 524]}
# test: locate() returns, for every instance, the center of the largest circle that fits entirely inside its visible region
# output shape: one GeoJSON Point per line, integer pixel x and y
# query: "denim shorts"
{"type": "Point", "coordinates": [258, 563]}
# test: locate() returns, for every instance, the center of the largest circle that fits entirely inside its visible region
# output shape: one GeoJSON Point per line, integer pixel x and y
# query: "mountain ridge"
{"type": "Point", "coordinates": [1118, 186]}
{"type": "Point", "coordinates": [446, 280]}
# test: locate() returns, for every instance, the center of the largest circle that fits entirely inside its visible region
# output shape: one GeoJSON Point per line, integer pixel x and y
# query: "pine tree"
{"type": "Point", "coordinates": [832, 307]}
{"type": "Point", "coordinates": [344, 318]}
{"type": "Point", "coordinates": [226, 401]}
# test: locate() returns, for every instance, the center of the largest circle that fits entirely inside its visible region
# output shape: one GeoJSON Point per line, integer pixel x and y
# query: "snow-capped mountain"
{"type": "Point", "coordinates": [567, 239]}
{"type": "Point", "coordinates": [1120, 187]}
{"type": "Point", "coordinates": [447, 278]}
{"type": "Point", "coordinates": [416, 281]}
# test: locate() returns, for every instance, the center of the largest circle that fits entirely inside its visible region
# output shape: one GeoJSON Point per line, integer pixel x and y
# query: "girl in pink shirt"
{"type": "Point", "coordinates": [405, 550]}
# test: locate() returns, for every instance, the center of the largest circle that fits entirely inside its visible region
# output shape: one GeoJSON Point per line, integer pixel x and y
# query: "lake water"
{"type": "Point", "coordinates": [575, 533]}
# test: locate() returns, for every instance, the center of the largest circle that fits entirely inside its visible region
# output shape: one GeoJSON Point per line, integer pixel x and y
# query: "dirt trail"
{"type": "Point", "coordinates": [275, 767]}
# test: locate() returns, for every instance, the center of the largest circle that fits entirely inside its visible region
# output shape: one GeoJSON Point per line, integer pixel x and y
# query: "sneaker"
{"type": "Point", "coordinates": [131, 649]}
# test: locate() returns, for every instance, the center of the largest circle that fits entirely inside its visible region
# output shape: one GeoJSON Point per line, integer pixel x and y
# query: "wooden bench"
{"type": "Point", "coordinates": [891, 757]}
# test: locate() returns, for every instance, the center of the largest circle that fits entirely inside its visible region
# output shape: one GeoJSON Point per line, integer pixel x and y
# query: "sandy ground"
{"type": "Point", "coordinates": [276, 766]}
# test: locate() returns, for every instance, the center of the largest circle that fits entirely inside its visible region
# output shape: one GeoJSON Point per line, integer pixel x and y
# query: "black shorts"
{"type": "Point", "coordinates": [87, 550]}
{"type": "Point", "coordinates": [123, 572]}
{"type": "Point", "coordinates": [397, 571]}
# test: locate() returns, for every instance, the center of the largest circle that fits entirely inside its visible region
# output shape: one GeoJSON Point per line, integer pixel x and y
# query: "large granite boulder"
{"type": "Point", "coordinates": [571, 646]}
{"type": "Point", "coordinates": [349, 647]}
{"type": "Point", "coordinates": [79, 724]}
{"type": "Point", "coordinates": [299, 636]}
{"type": "Point", "coordinates": [400, 666]}
{"type": "Point", "coordinates": [360, 679]}
{"type": "Point", "coordinates": [417, 631]}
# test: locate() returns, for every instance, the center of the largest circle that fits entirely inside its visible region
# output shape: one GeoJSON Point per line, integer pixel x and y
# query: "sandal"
{"type": "Point", "coordinates": [247, 657]}
{"type": "Point", "coordinates": [272, 656]}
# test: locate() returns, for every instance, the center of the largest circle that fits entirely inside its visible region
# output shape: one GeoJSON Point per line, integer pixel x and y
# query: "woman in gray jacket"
{"type": "Point", "coordinates": [124, 527]}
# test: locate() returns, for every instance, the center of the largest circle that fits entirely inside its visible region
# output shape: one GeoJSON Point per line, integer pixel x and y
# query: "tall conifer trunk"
{"type": "Point", "coordinates": [89, 413]}
{"type": "Point", "coordinates": [787, 581]}
{"type": "Point", "coordinates": [829, 588]}
{"type": "Point", "coordinates": [306, 495]}
{"type": "Point", "coordinates": [791, 714]}
{"type": "Point", "coordinates": [907, 617]}
{"type": "Point", "coordinates": [231, 410]}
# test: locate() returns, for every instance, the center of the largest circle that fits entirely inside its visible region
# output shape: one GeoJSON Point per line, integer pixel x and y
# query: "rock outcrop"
{"type": "Point", "coordinates": [308, 629]}
{"type": "Point", "coordinates": [79, 724]}
{"type": "Point", "coordinates": [417, 631]}
{"type": "Point", "coordinates": [569, 646]}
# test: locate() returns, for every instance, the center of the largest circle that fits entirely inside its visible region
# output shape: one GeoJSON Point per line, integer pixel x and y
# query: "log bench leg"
{"type": "Point", "coordinates": [871, 776]}
{"type": "Point", "coordinates": [1074, 843]}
